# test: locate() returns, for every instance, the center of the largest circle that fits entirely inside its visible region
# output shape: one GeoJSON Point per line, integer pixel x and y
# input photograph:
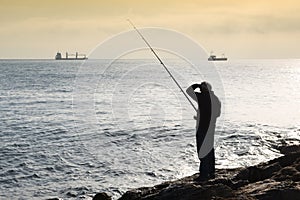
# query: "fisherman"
{"type": "Point", "coordinates": [209, 109]}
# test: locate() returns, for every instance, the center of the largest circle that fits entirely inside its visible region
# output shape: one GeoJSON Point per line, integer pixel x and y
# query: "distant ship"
{"type": "Point", "coordinates": [213, 57]}
{"type": "Point", "coordinates": [70, 56]}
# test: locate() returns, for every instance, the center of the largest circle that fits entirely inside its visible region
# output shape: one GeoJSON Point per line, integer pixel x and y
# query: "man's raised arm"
{"type": "Point", "coordinates": [191, 91]}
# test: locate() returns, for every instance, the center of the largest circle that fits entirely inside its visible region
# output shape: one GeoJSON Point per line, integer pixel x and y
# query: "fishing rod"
{"type": "Point", "coordinates": [161, 62]}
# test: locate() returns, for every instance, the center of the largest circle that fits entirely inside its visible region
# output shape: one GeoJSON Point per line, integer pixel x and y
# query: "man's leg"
{"type": "Point", "coordinates": [207, 165]}
{"type": "Point", "coordinates": [212, 164]}
{"type": "Point", "coordinates": [204, 167]}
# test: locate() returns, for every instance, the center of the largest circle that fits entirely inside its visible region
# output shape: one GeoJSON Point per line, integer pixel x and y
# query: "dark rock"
{"type": "Point", "coordinates": [273, 180]}
{"type": "Point", "coordinates": [261, 172]}
{"type": "Point", "coordinates": [272, 190]}
{"type": "Point", "coordinates": [101, 196]}
{"type": "Point", "coordinates": [71, 194]}
{"type": "Point", "coordinates": [151, 174]}
{"type": "Point", "coordinates": [243, 174]}
{"type": "Point", "coordinates": [297, 167]}
{"type": "Point", "coordinates": [296, 177]}
{"type": "Point", "coordinates": [289, 149]}
{"type": "Point", "coordinates": [289, 171]}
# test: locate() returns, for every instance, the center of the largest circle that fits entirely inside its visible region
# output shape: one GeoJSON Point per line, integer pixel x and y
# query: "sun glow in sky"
{"type": "Point", "coordinates": [238, 28]}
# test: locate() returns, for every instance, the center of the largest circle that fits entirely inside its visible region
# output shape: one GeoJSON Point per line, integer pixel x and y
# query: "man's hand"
{"type": "Point", "coordinates": [195, 86]}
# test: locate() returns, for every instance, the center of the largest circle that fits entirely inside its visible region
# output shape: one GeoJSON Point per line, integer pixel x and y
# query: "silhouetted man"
{"type": "Point", "coordinates": [209, 108]}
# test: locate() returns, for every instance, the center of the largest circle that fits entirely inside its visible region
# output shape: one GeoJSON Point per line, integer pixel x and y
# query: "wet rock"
{"type": "Point", "coordinates": [289, 149]}
{"type": "Point", "coordinates": [101, 196]}
{"type": "Point", "coordinates": [272, 190]}
{"type": "Point", "coordinates": [273, 180]}
{"type": "Point", "coordinates": [71, 194]}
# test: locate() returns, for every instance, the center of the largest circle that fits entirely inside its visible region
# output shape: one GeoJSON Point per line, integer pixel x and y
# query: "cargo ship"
{"type": "Point", "coordinates": [213, 57]}
{"type": "Point", "coordinates": [75, 56]}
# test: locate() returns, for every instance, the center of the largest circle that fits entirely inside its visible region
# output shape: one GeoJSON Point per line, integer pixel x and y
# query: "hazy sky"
{"type": "Point", "coordinates": [238, 28]}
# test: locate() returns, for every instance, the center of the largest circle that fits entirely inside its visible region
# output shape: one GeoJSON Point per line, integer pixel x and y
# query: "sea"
{"type": "Point", "coordinates": [71, 129]}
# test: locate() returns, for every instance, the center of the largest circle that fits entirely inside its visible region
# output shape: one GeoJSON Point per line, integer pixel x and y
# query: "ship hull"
{"type": "Point", "coordinates": [71, 58]}
{"type": "Point", "coordinates": [217, 59]}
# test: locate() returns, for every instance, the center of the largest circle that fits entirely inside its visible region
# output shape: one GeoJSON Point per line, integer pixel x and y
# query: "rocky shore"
{"type": "Point", "coordinates": [273, 180]}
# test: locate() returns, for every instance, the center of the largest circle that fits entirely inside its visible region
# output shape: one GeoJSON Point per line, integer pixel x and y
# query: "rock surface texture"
{"type": "Point", "coordinates": [273, 180]}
